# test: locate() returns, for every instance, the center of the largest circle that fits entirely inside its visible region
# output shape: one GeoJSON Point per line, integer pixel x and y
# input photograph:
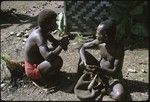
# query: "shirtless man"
{"type": "Point", "coordinates": [112, 53]}
{"type": "Point", "coordinates": [42, 60]}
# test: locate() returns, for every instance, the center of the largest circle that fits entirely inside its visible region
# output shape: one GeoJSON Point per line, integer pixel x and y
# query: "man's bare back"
{"type": "Point", "coordinates": [32, 53]}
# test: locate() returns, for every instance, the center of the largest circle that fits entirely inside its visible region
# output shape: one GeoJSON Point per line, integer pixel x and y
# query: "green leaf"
{"type": "Point", "coordinates": [137, 10]}
{"type": "Point", "coordinates": [120, 4]}
{"type": "Point", "coordinates": [121, 27]}
{"type": "Point", "coordinates": [139, 29]}
{"type": "Point", "coordinates": [59, 21]}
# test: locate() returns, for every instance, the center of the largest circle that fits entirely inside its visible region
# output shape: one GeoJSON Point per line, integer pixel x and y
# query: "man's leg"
{"type": "Point", "coordinates": [81, 90]}
{"type": "Point", "coordinates": [90, 60]}
{"type": "Point", "coordinates": [48, 68]}
{"type": "Point", "coordinates": [117, 91]}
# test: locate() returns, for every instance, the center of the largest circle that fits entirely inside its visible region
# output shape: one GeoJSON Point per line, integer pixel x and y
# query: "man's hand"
{"type": "Point", "coordinates": [64, 43]}
{"type": "Point", "coordinates": [83, 63]}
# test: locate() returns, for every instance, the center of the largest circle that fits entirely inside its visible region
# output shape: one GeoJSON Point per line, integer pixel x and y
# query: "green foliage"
{"type": "Point", "coordinates": [124, 12]}
{"type": "Point", "coordinates": [61, 22]}
{"type": "Point", "coordinates": [139, 29]}
{"type": "Point", "coordinates": [5, 73]}
{"type": "Point", "coordinates": [3, 56]}
{"type": "Point", "coordinates": [138, 10]}
{"type": "Point", "coordinates": [80, 36]}
{"type": "Point", "coordinates": [121, 28]}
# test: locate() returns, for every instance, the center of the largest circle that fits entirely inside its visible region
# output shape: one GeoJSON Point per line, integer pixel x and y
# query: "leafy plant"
{"type": "Point", "coordinates": [5, 74]}
{"type": "Point", "coordinates": [139, 29]}
{"type": "Point", "coordinates": [124, 12]}
{"type": "Point", "coordinates": [61, 22]}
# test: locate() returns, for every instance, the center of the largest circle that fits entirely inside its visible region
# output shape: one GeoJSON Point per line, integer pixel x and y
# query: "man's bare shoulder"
{"type": "Point", "coordinates": [34, 32]}
{"type": "Point", "coordinates": [35, 35]}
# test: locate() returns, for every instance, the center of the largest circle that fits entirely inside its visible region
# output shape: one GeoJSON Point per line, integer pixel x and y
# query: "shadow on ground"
{"type": "Point", "coordinates": [11, 17]}
{"type": "Point", "coordinates": [136, 42]}
{"type": "Point", "coordinates": [66, 82]}
{"type": "Point", "coordinates": [61, 82]}
{"type": "Point", "coordinates": [135, 86]}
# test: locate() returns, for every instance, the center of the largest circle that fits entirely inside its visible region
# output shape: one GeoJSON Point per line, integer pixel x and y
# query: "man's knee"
{"type": "Point", "coordinates": [44, 67]}
{"type": "Point", "coordinates": [118, 96]}
{"type": "Point", "coordinates": [50, 67]}
{"type": "Point", "coordinates": [118, 91]}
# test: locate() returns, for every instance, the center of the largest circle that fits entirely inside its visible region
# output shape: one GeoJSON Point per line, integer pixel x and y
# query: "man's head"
{"type": "Point", "coordinates": [47, 20]}
{"type": "Point", "coordinates": [106, 31]}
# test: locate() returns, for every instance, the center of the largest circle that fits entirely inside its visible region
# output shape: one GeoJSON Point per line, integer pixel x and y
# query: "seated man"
{"type": "Point", "coordinates": [112, 53]}
{"type": "Point", "coordinates": [42, 60]}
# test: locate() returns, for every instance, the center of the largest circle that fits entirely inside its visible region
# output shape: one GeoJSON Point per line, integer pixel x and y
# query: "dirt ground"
{"type": "Point", "coordinates": [13, 36]}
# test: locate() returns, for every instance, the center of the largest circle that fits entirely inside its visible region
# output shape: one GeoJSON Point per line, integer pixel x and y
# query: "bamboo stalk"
{"type": "Point", "coordinates": [92, 82]}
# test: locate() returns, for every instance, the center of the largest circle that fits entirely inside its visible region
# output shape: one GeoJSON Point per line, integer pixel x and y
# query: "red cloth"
{"type": "Point", "coordinates": [32, 71]}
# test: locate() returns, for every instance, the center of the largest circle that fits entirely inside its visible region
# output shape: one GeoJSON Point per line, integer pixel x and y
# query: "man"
{"type": "Point", "coordinates": [112, 53]}
{"type": "Point", "coordinates": [41, 60]}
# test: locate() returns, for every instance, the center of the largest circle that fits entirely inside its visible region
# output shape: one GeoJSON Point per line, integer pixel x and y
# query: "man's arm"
{"type": "Point", "coordinates": [115, 66]}
{"type": "Point", "coordinates": [54, 41]}
{"type": "Point", "coordinates": [45, 51]}
{"type": "Point", "coordinates": [49, 55]}
{"type": "Point", "coordinates": [118, 59]}
{"type": "Point", "coordinates": [64, 41]}
{"type": "Point", "coordinates": [91, 44]}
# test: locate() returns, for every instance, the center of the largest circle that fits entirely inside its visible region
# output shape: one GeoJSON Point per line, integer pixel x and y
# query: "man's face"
{"type": "Point", "coordinates": [51, 25]}
{"type": "Point", "coordinates": [100, 34]}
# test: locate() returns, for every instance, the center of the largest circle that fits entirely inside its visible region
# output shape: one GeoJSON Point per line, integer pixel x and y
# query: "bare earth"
{"type": "Point", "coordinates": [135, 67]}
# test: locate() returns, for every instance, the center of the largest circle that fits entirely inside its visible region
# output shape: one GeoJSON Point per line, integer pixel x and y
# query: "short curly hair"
{"type": "Point", "coordinates": [109, 25]}
{"type": "Point", "coordinates": [45, 17]}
